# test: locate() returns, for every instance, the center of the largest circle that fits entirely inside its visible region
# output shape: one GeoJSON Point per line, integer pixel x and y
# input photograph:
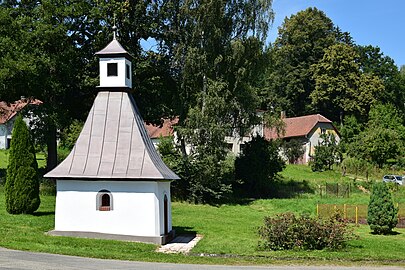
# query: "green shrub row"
{"type": "Point", "coordinates": [287, 231]}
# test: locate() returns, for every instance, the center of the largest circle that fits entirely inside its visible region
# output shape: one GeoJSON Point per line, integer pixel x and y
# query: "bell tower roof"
{"type": "Point", "coordinates": [114, 49]}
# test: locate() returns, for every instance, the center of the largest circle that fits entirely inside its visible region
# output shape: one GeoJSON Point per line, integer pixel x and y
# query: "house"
{"type": "Point", "coordinates": [164, 130]}
{"type": "Point", "coordinates": [113, 184]}
{"type": "Point", "coordinates": [8, 114]}
{"type": "Point", "coordinates": [306, 129]}
{"type": "Point", "coordinates": [233, 139]}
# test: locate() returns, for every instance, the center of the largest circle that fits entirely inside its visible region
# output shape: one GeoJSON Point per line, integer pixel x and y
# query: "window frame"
{"type": "Point", "coordinates": [112, 72]}
{"type": "Point", "coordinates": [99, 200]}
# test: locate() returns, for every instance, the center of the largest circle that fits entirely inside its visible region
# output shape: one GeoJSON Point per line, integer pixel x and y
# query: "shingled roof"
{"type": "Point", "coordinates": [296, 126]}
{"type": "Point", "coordinates": [165, 130]}
{"type": "Point", "coordinates": [113, 144]}
{"type": "Point", "coordinates": [9, 110]}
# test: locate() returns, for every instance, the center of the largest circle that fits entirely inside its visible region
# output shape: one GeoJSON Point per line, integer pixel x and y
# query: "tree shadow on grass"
{"type": "Point", "coordinates": [3, 175]}
{"type": "Point", "coordinates": [43, 213]}
{"type": "Point", "coordinates": [284, 189]}
{"type": "Point", "coordinates": [386, 234]}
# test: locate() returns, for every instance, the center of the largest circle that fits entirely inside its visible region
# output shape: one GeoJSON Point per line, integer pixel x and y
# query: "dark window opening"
{"type": "Point", "coordinates": [112, 69]}
{"type": "Point", "coordinates": [104, 200]}
{"type": "Point", "coordinates": [166, 215]}
{"type": "Point", "coordinates": [128, 72]}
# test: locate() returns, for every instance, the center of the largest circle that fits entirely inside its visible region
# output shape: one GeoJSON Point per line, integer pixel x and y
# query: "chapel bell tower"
{"type": "Point", "coordinates": [115, 66]}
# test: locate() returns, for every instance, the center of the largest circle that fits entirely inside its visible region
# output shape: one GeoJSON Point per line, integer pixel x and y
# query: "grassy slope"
{"type": "Point", "coordinates": [227, 229]}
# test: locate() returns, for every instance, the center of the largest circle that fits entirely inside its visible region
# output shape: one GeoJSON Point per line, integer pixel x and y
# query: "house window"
{"type": "Point", "coordinates": [323, 130]}
{"type": "Point", "coordinates": [112, 69]}
{"type": "Point", "coordinates": [104, 200]}
{"type": "Point", "coordinates": [128, 72]}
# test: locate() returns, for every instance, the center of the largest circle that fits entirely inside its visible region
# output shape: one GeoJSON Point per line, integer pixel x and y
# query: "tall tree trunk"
{"type": "Point", "coordinates": [51, 144]}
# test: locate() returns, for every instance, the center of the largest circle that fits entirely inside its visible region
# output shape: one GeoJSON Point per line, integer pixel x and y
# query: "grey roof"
{"type": "Point", "coordinates": [113, 144]}
{"type": "Point", "coordinates": [114, 48]}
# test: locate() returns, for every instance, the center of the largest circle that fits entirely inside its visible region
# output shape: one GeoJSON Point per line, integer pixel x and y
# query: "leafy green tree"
{"type": "Point", "coordinates": [373, 61]}
{"type": "Point", "coordinates": [22, 183]}
{"type": "Point", "coordinates": [293, 150]}
{"type": "Point", "coordinates": [301, 42]}
{"type": "Point", "coordinates": [382, 214]}
{"type": "Point", "coordinates": [48, 54]}
{"type": "Point", "coordinates": [214, 52]}
{"type": "Point", "coordinates": [257, 166]}
{"type": "Point", "coordinates": [326, 153]}
{"type": "Point", "coordinates": [383, 137]}
{"type": "Point", "coordinates": [349, 131]}
{"type": "Point", "coordinates": [70, 134]}
{"type": "Point", "coordinates": [340, 86]}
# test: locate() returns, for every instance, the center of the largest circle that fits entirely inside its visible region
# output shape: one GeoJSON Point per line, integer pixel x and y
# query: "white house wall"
{"type": "Point", "coordinates": [133, 207]}
{"type": "Point", "coordinates": [315, 137]}
{"type": "Point", "coordinates": [3, 136]}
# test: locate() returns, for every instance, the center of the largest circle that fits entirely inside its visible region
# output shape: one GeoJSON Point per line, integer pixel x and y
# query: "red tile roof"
{"type": "Point", "coordinates": [165, 130]}
{"type": "Point", "coordinates": [9, 110]}
{"type": "Point", "coordinates": [296, 126]}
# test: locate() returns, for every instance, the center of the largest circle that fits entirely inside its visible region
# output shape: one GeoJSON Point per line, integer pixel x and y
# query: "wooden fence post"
{"type": "Point", "coordinates": [317, 210]}
{"type": "Point", "coordinates": [357, 216]}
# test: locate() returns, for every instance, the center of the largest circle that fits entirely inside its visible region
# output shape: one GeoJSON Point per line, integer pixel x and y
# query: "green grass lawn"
{"type": "Point", "coordinates": [4, 159]}
{"type": "Point", "coordinates": [229, 231]}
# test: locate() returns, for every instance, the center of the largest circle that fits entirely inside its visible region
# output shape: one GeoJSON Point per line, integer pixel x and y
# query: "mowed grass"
{"type": "Point", "coordinates": [4, 159]}
{"type": "Point", "coordinates": [229, 232]}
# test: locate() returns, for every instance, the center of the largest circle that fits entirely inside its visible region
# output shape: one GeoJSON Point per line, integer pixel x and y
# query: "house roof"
{"type": "Point", "coordinates": [164, 130]}
{"type": "Point", "coordinates": [113, 145]}
{"type": "Point", "coordinates": [296, 126]}
{"type": "Point", "coordinates": [9, 110]}
{"type": "Point", "coordinates": [114, 48]}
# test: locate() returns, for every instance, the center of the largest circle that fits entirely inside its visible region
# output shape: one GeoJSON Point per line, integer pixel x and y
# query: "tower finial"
{"type": "Point", "coordinates": [114, 28]}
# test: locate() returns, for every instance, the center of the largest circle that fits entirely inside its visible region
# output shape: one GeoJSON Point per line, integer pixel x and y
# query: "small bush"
{"type": "Point", "coordinates": [286, 231]}
{"type": "Point", "coordinates": [382, 214]}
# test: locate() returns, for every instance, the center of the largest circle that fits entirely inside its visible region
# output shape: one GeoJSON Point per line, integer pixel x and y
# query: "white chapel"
{"type": "Point", "coordinates": [113, 184]}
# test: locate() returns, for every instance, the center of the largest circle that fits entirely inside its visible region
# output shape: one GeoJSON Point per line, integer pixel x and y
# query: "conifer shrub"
{"type": "Point", "coordinates": [382, 214]}
{"type": "Point", "coordinates": [22, 184]}
{"type": "Point", "coordinates": [287, 231]}
{"type": "Point", "coordinates": [256, 168]}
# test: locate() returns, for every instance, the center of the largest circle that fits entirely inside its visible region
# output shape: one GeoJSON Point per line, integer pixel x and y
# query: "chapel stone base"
{"type": "Point", "coordinates": [159, 240]}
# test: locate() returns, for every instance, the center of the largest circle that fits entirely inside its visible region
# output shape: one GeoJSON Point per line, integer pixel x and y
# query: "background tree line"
{"type": "Point", "coordinates": [210, 66]}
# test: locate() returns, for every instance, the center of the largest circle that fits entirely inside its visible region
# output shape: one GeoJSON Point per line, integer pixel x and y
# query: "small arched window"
{"type": "Point", "coordinates": [104, 200]}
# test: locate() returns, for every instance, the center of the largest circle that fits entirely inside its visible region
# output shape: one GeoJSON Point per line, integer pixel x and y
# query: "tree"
{"type": "Point", "coordinates": [326, 153]}
{"type": "Point", "coordinates": [383, 137]}
{"type": "Point", "coordinates": [301, 42]}
{"type": "Point", "coordinates": [48, 54]}
{"type": "Point", "coordinates": [340, 86]}
{"type": "Point", "coordinates": [214, 54]}
{"type": "Point", "coordinates": [293, 149]}
{"type": "Point", "coordinates": [372, 61]}
{"type": "Point", "coordinates": [382, 214]}
{"type": "Point", "coordinates": [257, 166]}
{"type": "Point", "coordinates": [22, 183]}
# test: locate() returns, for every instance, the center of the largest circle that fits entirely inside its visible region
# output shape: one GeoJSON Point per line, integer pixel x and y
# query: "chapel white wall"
{"type": "Point", "coordinates": [134, 207]}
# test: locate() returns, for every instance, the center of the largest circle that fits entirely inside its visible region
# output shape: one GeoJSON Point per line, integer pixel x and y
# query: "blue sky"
{"type": "Point", "coordinates": [376, 23]}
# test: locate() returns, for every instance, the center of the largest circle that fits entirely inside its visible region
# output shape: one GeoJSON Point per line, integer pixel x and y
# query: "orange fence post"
{"type": "Point", "coordinates": [317, 210]}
